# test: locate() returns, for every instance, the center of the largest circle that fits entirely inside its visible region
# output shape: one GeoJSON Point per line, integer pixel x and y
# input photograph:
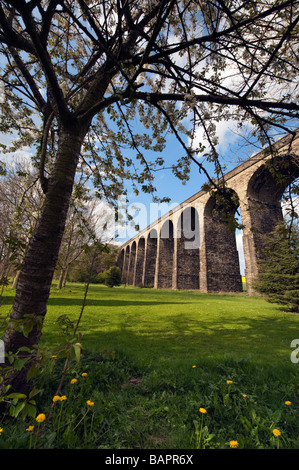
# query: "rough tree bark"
{"type": "Point", "coordinates": [40, 260]}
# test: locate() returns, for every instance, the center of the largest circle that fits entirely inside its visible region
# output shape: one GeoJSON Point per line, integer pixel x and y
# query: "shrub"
{"type": "Point", "coordinates": [98, 278]}
{"type": "Point", "coordinates": [278, 277]}
{"type": "Point", "coordinates": [113, 277]}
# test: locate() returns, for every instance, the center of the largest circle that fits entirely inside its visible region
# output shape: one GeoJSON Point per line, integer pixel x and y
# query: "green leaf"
{"type": "Point", "coordinates": [19, 364]}
{"type": "Point", "coordinates": [24, 348]}
{"type": "Point", "coordinates": [19, 408]}
{"type": "Point", "coordinates": [16, 395]}
{"type": "Point", "coordinates": [33, 393]}
{"type": "Point", "coordinates": [15, 410]}
{"type": "Point", "coordinates": [77, 347]}
{"type": "Point", "coordinates": [31, 410]}
{"type": "Point", "coordinates": [31, 372]}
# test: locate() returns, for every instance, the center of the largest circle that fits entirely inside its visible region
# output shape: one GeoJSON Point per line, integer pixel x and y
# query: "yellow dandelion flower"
{"type": "Point", "coordinates": [30, 428]}
{"type": "Point", "coordinates": [54, 357]}
{"type": "Point", "coordinates": [90, 403]}
{"type": "Point", "coordinates": [244, 396]}
{"type": "Point", "coordinates": [193, 367]}
{"type": "Point", "coordinates": [63, 398]}
{"type": "Point", "coordinates": [288, 403]}
{"type": "Point", "coordinates": [276, 432]}
{"type": "Point", "coordinates": [229, 382]}
{"type": "Point", "coordinates": [234, 444]}
{"type": "Point", "coordinates": [84, 374]}
{"type": "Point", "coordinates": [40, 418]}
{"type": "Point", "coordinates": [202, 410]}
{"type": "Point", "coordinates": [73, 381]}
{"type": "Point", "coordinates": [56, 398]}
{"type": "Point", "coordinates": [1, 430]}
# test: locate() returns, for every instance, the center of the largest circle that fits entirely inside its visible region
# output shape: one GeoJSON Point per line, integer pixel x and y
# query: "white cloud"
{"type": "Point", "coordinates": [2, 93]}
{"type": "Point", "coordinates": [103, 220]}
{"type": "Point", "coordinates": [12, 158]}
{"type": "Point", "coordinates": [288, 206]}
{"type": "Point", "coordinates": [226, 131]}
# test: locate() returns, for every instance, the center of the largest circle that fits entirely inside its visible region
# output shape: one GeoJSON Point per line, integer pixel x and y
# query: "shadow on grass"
{"type": "Point", "coordinates": [152, 337]}
{"type": "Point", "coordinates": [181, 339]}
{"type": "Point", "coordinates": [105, 302]}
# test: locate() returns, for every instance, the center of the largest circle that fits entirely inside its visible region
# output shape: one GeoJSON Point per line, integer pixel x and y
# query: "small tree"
{"type": "Point", "coordinates": [20, 204]}
{"type": "Point", "coordinates": [113, 277]}
{"type": "Point", "coordinates": [278, 277]}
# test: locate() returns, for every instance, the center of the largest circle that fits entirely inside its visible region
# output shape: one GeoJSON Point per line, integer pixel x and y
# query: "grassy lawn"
{"type": "Point", "coordinates": [154, 357]}
{"type": "Point", "coordinates": [165, 328]}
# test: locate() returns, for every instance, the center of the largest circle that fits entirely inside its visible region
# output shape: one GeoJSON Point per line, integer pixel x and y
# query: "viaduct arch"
{"type": "Point", "coordinates": [192, 247]}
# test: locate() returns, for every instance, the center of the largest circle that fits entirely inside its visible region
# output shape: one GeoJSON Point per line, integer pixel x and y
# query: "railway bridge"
{"type": "Point", "coordinates": [193, 246]}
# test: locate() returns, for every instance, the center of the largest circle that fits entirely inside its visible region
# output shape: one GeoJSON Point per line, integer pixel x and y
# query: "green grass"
{"type": "Point", "coordinates": [140, 349]}
{"type": "Point", "coordinates": [170, 328]}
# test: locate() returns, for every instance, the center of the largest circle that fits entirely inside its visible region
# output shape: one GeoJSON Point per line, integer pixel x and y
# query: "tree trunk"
{"type": "Point", "coordinates": [62, 277]}
{"type": "Point", "coordinates": [65, 275]}
{"type": "Point", "coordinates": [41, 256]}
{"type": "Point", "coordinates": [60, 280]}
{"type": "Point", "coordinates": [15, 281]}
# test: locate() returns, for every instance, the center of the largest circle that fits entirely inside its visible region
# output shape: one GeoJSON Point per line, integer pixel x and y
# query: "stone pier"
{"type": "Point", "coordinates": [194, 247]}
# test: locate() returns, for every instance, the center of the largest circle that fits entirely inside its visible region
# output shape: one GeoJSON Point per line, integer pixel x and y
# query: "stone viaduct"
{"type": "Point", "coordinates": [192, 247]}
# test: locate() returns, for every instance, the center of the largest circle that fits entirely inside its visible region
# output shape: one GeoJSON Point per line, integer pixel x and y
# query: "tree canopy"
{"type": "Point", "coordinates": [173, 66]}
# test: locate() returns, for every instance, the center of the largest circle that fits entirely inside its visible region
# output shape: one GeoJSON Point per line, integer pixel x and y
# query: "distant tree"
{"type": "Point", "coordinates": [86, 224]}
{"type": "Point", "coordinates": [21, 199]}
{"type": "Point", "coordinates": [104, 260]}
{"type": "Point", "coordinates": [113, 277]}
{"type": "Point", "coordinates": [278, 277]}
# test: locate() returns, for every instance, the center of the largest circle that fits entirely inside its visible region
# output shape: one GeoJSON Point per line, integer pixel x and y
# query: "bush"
{"type": "Point", "coordinates": [98, 278]}
{"type": "Point", "coordinates": [113, 277]}
{"type": "Point", "coordinates": [278, 277]}
{"type": "Point", "coordinates": [101, 277]}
